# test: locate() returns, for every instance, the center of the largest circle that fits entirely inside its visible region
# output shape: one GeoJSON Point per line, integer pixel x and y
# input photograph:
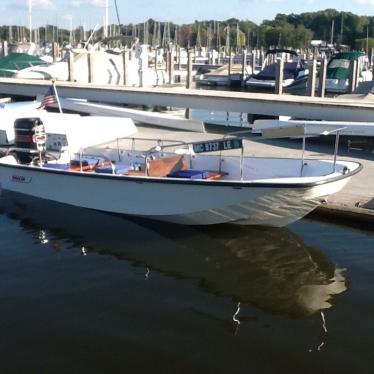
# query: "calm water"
{"type": "Point", "coordinates": [83, 291]}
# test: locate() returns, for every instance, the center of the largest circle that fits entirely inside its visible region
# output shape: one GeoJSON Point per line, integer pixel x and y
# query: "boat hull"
{"type": "Point", "coordinates": [178, 201]}
{"type": "Point", "coordinates": [257, 83]}
{"type": "Point", "coordinates": [312, 128]}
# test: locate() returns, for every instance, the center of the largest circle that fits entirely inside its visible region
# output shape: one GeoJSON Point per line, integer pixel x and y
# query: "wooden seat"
{"type": "Point", "coordinates": [161, 167]}
{"type": "Point", "coordinates": [215, 175]}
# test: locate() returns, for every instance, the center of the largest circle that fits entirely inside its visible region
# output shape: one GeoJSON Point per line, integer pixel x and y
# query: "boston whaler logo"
{"type": "Point", "coordinates": [20, 179]}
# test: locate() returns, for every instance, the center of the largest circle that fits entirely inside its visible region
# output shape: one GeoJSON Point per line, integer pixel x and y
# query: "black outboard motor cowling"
{"type": "Point", "coordinates": [25, 146]}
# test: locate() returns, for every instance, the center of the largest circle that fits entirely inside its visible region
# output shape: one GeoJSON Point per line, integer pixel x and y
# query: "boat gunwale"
{"type": "Point", "coordinates": [185, 181]}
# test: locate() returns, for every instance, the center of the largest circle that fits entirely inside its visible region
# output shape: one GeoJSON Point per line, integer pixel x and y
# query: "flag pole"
{"type": "Point", "coordinates": [57, 98]}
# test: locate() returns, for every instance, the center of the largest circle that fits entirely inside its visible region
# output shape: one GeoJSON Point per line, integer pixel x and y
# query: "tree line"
{"type": "Point", "coordinates": [285, 30]}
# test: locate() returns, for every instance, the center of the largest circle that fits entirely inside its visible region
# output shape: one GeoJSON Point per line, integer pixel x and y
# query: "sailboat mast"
{"type": "Point", "coordinates": [30, 19]}
{"type": "Point", "coordinates": [332, 32]}
{"type": "Point", "coordinates": [106, 18]}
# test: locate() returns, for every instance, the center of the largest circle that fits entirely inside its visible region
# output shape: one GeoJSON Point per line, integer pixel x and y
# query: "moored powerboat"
{"type": "Point", "coordinates": [339, 68]}
{"type": "Point", "coordinates": [197, 183]}
{"type": "Point", "coordinates": [294, 69]}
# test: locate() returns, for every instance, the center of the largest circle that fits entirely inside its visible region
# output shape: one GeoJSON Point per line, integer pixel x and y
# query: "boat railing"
{"type": "Point", "coordinates": [146, 154]}
{"type": "Point", "coordinates": [229, 141]}
{"type": "Point", "coordinates": [164, 147]}
{"type": "Point", "coordinates": [299, 131]}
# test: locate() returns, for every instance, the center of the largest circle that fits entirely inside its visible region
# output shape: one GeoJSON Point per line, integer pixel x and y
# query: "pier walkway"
{"type": "Point", "coordinates": [344, 109]}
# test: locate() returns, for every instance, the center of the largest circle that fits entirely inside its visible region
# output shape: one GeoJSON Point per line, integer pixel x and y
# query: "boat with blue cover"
{"type": "Point", "coordinates": [293, 69]}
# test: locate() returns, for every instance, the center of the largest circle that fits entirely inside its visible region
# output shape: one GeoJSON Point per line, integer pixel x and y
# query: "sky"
{"type": "Point", "coordinates": [91, 12]}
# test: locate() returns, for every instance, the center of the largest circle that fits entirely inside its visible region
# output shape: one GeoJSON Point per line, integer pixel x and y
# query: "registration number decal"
{"type": "Point", "coordinates": [20, 179]}
{"type": "Point", "coordinates": [217, 145]}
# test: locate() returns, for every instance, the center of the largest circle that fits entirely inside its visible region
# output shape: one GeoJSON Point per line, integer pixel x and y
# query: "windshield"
{"type": "Point", "coordinates": [339, 63]}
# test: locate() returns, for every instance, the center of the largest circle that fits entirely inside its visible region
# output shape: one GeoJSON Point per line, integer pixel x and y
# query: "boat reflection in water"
{"type": "Point", "coordinates": [269, 268]}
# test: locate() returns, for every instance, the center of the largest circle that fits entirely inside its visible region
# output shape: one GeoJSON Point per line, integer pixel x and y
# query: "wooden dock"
{"type": "Point", "coordinates": [241, 102]}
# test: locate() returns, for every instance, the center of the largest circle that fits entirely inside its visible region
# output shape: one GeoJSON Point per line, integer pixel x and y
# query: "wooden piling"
{"type": "Point", "coordinates": [189, 80]}
{"type": "Point", "coordinates": [55, 51]}
{"type": "Point", "coordinates": [322, 77]}
{"type": "Point", "coordinates": [244, 66]}
{"type": "Point", "coordinates": [170, 67]}
{"type": "Point", "coordinates": [5, 48]}
{"type": "Point", "coordinates": [357, 77]}
{"type": "Point", "coordinates": [279, 76]}
{"type": "Point", "coordinates": [156, 62]}
{"type": "Point", "coordinates": [90, 67]}
{"type": "Point", "coordinates": [71, 66]}
{"type": "Point", "coordinates": [352, 76]}
{"type": "Point", "coordinates": [189, 70]}
{"type": "Point", "coordinates": [312, 79]}
{"type": "Point", "coordinates": [179, 58]}
{"type": "Point", "coordinates": [262, 59]}
{"type": "Point", "coordinates": [253, 61]}
{"type": "Point", "coordinates": [167, 57]}
{"type": "Point", "coordinates": [125, 60]}
{"type": "Point", "coordinates": [230, 63]}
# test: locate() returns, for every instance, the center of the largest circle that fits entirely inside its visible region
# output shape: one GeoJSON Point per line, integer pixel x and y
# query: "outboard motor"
{"type": "Point", "coordinates": [29, 139]}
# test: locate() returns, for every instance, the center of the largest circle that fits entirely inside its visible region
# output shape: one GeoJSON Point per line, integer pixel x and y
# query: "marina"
{"type": "Point", "coordinates": [191, 197]}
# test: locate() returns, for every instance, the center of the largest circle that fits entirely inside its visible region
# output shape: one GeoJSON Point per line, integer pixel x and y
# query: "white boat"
{"type": "Point", "coordinates": [338, 74]}
{"type": "Point", "coordinates": [10, 111]}
{"type": "Point", "coordinates": [72, 126]}
{"type": "Point", "coordinates": [176, 181]}
{"type": "Point", "coordinates": [338, 71]}
{"type": "Point", "coordinates": [294, 69]}
{"type": "Point", "coordinates": [159, 119]}
{"type": "Point", "coordinates": [221, 76]}
{"type": "Point", "coordinates": [314, 128]}
{"type": "Point", "coordinates": [107, 68]}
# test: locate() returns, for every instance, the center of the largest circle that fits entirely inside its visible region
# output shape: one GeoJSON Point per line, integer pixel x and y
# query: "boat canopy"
{"type": "Point", "coordinates": [86, 131]}
{"type": "Point", "coordinates": [338, 67]}
{"type": "Point", "coordinates": [281, 50]}
{"type": "Point", "coordinates": [352, 55]}
{"type": "Point", "coordinates": [17, 61]}
{"type": "Point", "coordinates": [290, 71]}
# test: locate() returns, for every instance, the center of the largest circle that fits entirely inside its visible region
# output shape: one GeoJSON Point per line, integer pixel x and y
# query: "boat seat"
{"type": "Point", "coordinates": [161, 167]}
{"type": "Point", "coordinates": [216, 174]}
{"type": "Point", "coordinates": [56, 166]}
{"type": "Point", "coordinates": [113, 169]}
{"type": "Point", "coordinates": [88, 163]}
{"type": "Point", "coordinates": [197, 174]}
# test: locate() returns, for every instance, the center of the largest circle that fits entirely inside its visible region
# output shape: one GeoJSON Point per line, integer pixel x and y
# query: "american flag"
{"type": "Point", "coordinates": [49, 98]}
